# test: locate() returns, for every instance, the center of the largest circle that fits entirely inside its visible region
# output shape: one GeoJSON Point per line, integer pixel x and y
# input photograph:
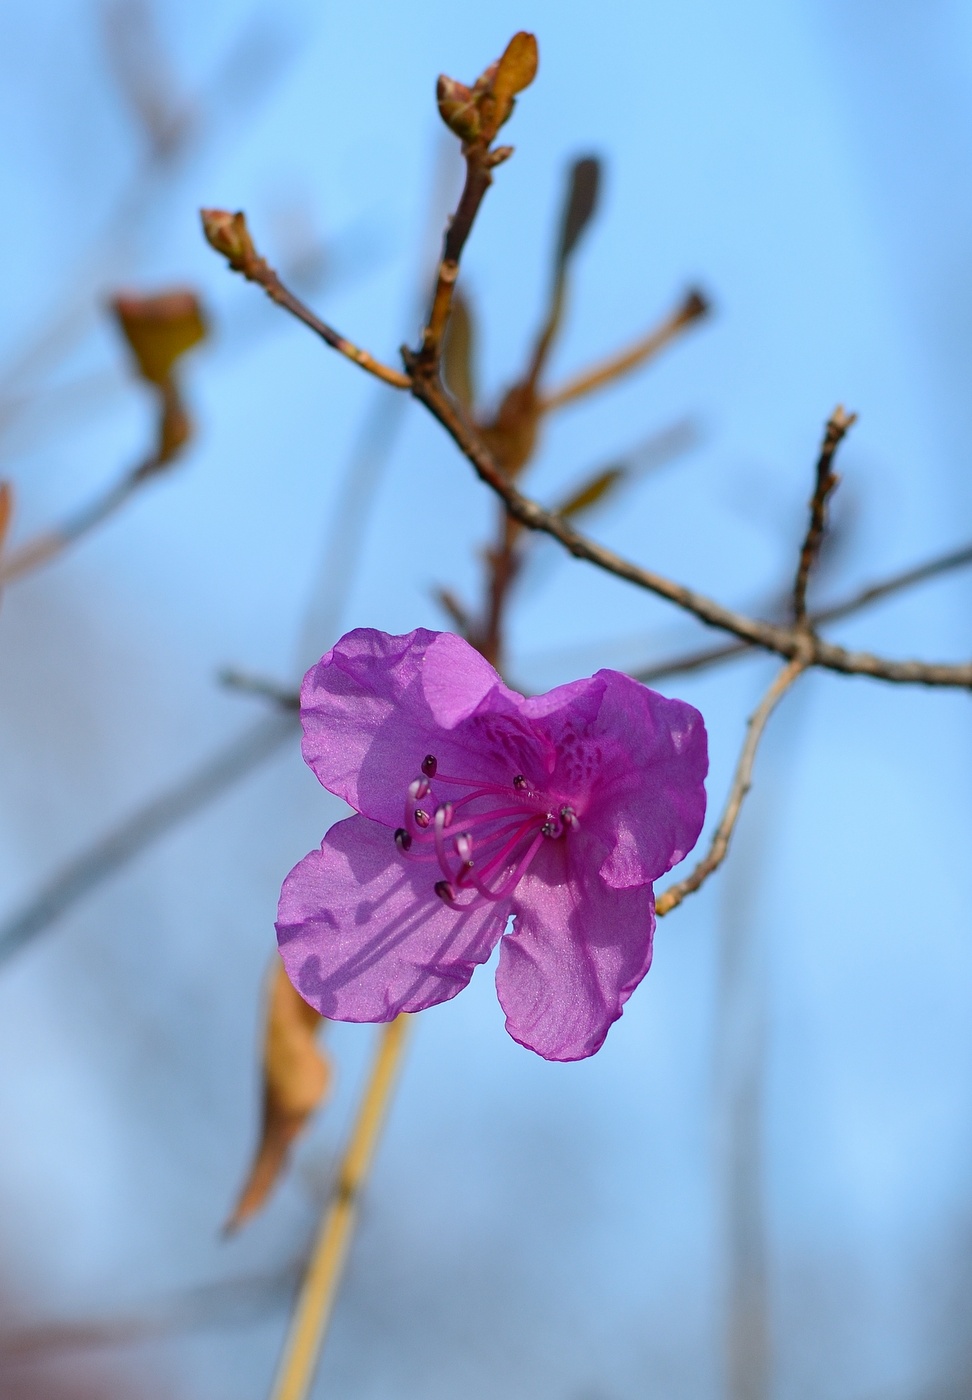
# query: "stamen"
{"type": "Point", "coordinates": [507, 836]}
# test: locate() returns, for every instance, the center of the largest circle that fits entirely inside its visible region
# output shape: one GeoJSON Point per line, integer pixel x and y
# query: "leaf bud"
{"type": "Point", "coordinates": [229, 235]}
{"type": "Point", "coordinates": [457, 108]}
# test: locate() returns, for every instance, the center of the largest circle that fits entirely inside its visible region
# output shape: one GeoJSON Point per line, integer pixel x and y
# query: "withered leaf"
{"type": "Point", "coordinates": [159, 329]}
{"type": "Point", "coordinates": [580, 204]}
{"type": "Point", "coordinates": [458, 353]}
{"type": "Point", "coordinates": [296, 1078]}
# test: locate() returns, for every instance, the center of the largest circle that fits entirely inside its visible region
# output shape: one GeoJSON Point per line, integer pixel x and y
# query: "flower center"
{"type": "Point", "coordinates": [481, 836]}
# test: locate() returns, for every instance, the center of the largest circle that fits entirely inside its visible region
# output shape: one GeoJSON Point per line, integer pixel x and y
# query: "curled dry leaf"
{"type": "Point", "coordinates": [6, 509]}
{"type": "Point", "coordinates": [296, 1078]}
{"type": "Point", "coordinates": [159, 329]}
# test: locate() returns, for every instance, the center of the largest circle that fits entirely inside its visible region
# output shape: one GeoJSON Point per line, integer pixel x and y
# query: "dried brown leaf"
{"type": "Point", "coordinates": [458, 353]}
{"type": "Point", "coordinates": [159, 329]}
{"type": "Point", "coordinates": [515, 71]}
{"type": "Point", "coordinates": [296, 1078]}
{"type": "Point", "coordinates": [6, 509]}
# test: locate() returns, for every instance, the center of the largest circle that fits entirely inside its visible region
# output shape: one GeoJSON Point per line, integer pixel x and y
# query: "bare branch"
{"type": "Point", "coordinates": [741, 783]}
{"type": "Point", "coordinates": [862, 598]}
{"type": "Point", "coordinates": [692, 308]}
{"type": "Point", "coordinates": [836, 430]}
{"type": "Point", "coordinates": [785, 641]}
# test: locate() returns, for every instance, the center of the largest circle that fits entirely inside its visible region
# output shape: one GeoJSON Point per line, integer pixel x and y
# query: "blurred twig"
{"type": "Point", "coordinates": [319, 1287]}
{"type": "Point", "coordinates": [142, 827]}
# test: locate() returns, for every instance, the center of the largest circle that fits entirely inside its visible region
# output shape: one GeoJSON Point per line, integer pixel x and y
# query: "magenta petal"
{"type": "Point", "coordinates": [577, 951]}
{"type": "Point", "coordinates": [375, 705]}
{"type": "Point", "coordinates": [649, 803]}
{"type": "Point", "coordinates": [363, 935]}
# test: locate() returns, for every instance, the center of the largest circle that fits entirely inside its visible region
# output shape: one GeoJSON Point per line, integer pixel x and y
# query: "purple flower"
{"type": "Point", "coordinates": [474, 804]}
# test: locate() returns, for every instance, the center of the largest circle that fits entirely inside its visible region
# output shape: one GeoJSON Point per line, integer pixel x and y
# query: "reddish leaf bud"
{"type": "Point", "coordinates": [457, 108]}
{"type": "Point", "coordinates": [229, 235]}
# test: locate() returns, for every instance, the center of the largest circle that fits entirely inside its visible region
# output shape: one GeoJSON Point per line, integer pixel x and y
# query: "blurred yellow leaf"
{"type": "Point", "coordinates": [592, 491]}
{"type": "Point", "coordinates": [159, 329]}
{"type": "Point", "coordinates": [515, 71]}
{"type": "Point", "coordinates": [296, 1078]}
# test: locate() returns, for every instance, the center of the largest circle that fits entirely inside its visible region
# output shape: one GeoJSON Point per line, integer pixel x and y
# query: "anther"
{"type": "Point", "coordinates": [550, 828]}
{"type": "Point", "coordinates": [402, 839]}
{"type": "Point", "coordinates": [429, 765]}
{"type": "Point", "coordinates": [445, 811]}
{"type": "Point", "coordinates": [421, 818]}
{"type": "Point", "coordinates": [418, 789]}
{"type": "Point", "coordinates": [520, 783]}
{"type": "Point", "coordinates": [445, 891]}
{"type": "Point", "coordinates": [568, 816]}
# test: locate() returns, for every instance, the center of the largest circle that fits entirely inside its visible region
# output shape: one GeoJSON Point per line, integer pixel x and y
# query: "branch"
{"type": "Point", "coordinates": [836, 430]}
{"type": "Point", "coordinates": [784, 641]}
{"type": "Point", "coordinates": [864, 597]}
{"type": "Point", "coordinates": [741, 783]}
{"type": "Point", "coordinates": [229, 235]}
{"type": "Point", "coordinates": [692, 308]}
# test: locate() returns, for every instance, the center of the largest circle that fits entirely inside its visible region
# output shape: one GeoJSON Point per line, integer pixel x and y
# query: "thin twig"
{"type": "Point", "coordinates": [692, 308]}
{"type": "Point", "coordinates": [319, 1288]}
{"type": "Point", "coordinates": [229, 235]}
{"type": "Point", "coordinates": [741, 783]}
{"type": "Point", "coordinates": [862, 598]}
{"type": "Point", "coordinates": [826, 480]}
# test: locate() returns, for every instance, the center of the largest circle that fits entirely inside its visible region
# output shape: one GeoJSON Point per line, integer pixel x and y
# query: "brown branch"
{"type": "Point", "coordinates": [863, 598]}
{"type": "Point", "coordinates": [229, 235]}
{"type": "Point", "coordinates": [741, 783]}
{"type": "Point", "coordinates": [692, 308]}
{"type": "Point", "coordinates": [478, 180]}
{"type": "Point", "coordinates": [784, 641]}
{"type": "Point", "coordinates": [836, 430]}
